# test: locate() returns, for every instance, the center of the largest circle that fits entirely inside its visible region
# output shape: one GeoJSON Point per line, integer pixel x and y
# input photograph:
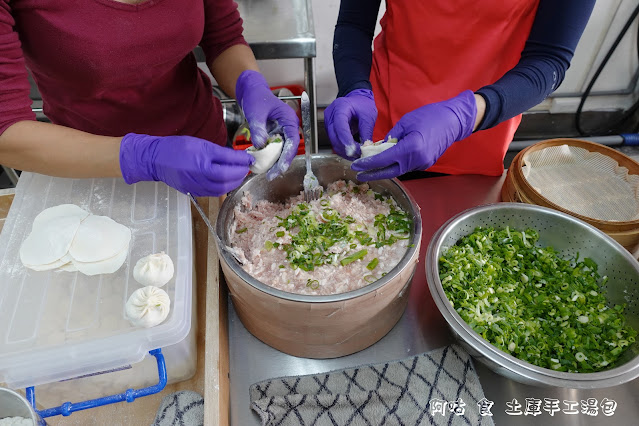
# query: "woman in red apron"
{"type": "Point", "coordinates": [448, 78]}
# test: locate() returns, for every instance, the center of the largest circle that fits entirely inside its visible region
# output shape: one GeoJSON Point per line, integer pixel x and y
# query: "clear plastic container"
{"type": "Point", "coordinates": [57, 325]}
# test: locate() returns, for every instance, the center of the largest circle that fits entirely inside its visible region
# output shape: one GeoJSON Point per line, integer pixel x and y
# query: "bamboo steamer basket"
{"type": "Point", "coordinates": [516, 188]}
{"type": "Point", "coordinates": [327, 326]}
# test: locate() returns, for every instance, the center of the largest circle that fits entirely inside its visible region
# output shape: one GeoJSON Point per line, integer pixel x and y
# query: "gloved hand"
{"type": "Point", "coordinates": [263, 109]}
{"type": "Point", "coordinates": [423, 135]}
{"type": "Point", "coordinates": [185, 163]}
{"type": "Point", "coordinates": [355, 112]}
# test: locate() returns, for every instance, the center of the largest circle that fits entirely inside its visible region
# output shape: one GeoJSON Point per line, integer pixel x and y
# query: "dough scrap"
{"type": "Point", "coordinates": [148, 306]}
{"type": "Point", "coordinates": [99, 238]}
{"type": "Point", "coordinates": [155, 269]}
{"type": "Point", "coordinates": [267, 156]}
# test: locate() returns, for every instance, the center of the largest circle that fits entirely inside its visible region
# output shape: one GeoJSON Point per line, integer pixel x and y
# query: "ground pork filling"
{"type": "Point", "coordinates": [346, 240]}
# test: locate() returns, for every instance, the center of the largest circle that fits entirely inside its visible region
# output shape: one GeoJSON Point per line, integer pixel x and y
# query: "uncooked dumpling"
{"type": "Point", "coordinates": [154, 269]}
{"type": "Point", "coordinates": [99, 238]}
{"type": "Point", "coordinates": [267, 156]}
{"type": "Point", "coordinates": [148, 306]}
{"type": "Point", "coordinates": [106, 266]}
{"type": "Point", "coordinates": [372, 148]}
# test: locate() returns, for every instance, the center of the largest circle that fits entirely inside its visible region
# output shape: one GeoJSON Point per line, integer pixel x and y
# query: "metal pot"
{"type": "Point", "coordinates": [569, 236]}
{"type": "Point", "coordinates": [12, 404]}
{"type": "Point", "coordinates": [325, 326]}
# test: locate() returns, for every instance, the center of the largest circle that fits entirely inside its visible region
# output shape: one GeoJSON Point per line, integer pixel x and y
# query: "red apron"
{"type": "Point", "coordinates": [431, 50]}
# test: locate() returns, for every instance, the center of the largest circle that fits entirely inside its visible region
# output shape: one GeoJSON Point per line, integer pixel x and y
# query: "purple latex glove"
{"type": "Point", "coordinates": [355, 112]}
{"type": "Point", "coordinates": [185, 163]}
{"type": "Point", "coordinates": [422, 137]}
{"type": "Point", "coordinates": [267, 115]}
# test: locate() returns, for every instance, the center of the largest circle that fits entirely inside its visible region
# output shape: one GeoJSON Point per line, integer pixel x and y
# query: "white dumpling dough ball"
{"type": "Point", "coordinates": [155, 269]}
{"type": "Point", "coordinates": [267, 156]}
{"type": "Point", "coordinates": [148, 306]}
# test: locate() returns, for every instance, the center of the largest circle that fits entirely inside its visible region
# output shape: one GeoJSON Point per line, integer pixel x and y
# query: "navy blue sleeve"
{"type": "Point", "coordinates": [352, 44]}
{"type": "Point", "coordinates": [557, 28]}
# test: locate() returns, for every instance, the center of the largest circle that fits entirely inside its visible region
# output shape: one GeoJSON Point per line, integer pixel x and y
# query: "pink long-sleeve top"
{"type": "Point", "coordinates": [111, 68]}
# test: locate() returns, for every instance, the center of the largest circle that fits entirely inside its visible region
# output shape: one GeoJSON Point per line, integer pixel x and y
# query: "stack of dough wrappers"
{"type": "Point", "coordinates": [587, 183]}
{"type": "Point", "coordinates": [68, 238]}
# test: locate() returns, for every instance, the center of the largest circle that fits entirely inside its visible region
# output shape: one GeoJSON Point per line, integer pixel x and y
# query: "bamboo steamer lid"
{"type": "Point", "coordinates": [517, 188]}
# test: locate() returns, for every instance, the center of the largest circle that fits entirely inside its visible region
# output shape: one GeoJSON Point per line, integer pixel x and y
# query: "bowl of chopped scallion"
{"type": "Point", "coordinates": [538, 295]}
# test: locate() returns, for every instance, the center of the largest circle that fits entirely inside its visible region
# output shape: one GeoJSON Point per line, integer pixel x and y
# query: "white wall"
{"type": "Point", "coordinates": [603, 27]}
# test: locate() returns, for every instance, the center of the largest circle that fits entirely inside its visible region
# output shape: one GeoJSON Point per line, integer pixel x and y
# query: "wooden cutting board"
{"type": "Point", "coordinates": [211, 378]}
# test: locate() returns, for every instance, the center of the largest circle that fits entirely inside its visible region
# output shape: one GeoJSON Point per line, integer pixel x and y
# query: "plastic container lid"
{"type": "Point", "coordinates": [58, 325]}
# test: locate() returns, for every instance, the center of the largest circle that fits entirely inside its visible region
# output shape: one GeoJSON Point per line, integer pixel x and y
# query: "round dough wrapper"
{"type": "Point", "coordinates": [107, 266]}
{"type": "Point", "coordinates": [148, 306]}
{"type": "Point", "coordinates": [64, 260]}
{"type": "Point", "coordinates": [99, 238]}
{"type": "Point", "coordinates": [49, 240]}
{"type": "Point", "coordinates": [68, 267]}
{"type": "Point", "coordinates": [375, 148]}
{"type": "Point", "coordinates": [265, 157]}
{"type": "Point", "coordinates": [155, 269]}
{"type": "Point", "coordinates": [62, 210]}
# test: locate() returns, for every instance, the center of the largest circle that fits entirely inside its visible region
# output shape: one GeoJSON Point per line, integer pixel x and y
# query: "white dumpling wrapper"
{"type": "Point", "coordinates": [148, 306]}
{"type": "Point", "coordinates": [265, 157]}
{"type": "Point", "coordinates": [68, 267]}
{"type": "Point", "coordinates": [373, 148]}
{"type": "Point", "coordinates": [99, 238]}
{"type": "Point", "coordinates": [49, 240]}
{"type": "Point", "coordinates": [64, 260]}
{"type": "Point", "coordinates": [107, 266]}
{"type": "Point", "coordinates": [62, 210]}
{"type": "Point", "coordinates": [155, 269]}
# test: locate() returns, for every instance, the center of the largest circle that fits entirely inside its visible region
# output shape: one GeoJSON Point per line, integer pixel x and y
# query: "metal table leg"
{"type": "Point", "coordinates": [11, 174]}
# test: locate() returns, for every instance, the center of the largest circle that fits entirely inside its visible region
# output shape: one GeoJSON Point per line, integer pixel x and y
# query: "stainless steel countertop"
{"type": "Point", "coordinates": [421, 329]}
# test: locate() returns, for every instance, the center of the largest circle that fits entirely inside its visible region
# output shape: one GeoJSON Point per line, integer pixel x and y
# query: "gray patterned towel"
{"type": "Point", "coordinates": [439, 387]}
{"type": "Point", "coordinates": [184, 408]}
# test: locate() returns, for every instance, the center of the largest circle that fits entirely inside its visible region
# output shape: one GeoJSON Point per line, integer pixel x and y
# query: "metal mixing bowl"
{"type": "Point", "coordinates": [323, 326]}
{"type": "Point", "coordinates": [569, 236]}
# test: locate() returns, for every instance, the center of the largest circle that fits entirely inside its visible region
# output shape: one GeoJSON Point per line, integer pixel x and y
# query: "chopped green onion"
{"type": "Point", "coordinates": [241, 231]}
{"type": "Point", "coordinates": [313, 284]}
{"type": "Point", "coordinates": [372, 264]}
{"type": "Point", "coordinates": [279, 234]}
{"type": "Point", "coordinates": [353, 257]}
{"type": "Point", "coordinates": [268, 245]}
{"type": "Point", "coordinates": [370, 278]}
{"type": "Point", "coordinates": [533, 304]}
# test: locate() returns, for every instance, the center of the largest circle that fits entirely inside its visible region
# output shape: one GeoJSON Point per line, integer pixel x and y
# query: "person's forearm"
{"type": "Point", "coordinates": [228, 66]}
{"type": "Point", "coordinates": [59, 151]}
{"type": "Point", "coordinates": [481, 110]}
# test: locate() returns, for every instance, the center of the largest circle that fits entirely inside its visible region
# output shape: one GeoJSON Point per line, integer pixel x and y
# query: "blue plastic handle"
{"type": "Point", "coordinates": [631, 139]}
{"type": "Point", "coordinates": [129, 395]}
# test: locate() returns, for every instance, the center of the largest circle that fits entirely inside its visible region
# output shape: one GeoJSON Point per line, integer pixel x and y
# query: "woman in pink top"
{"type": "Point", "coordinates": [125, 97]}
